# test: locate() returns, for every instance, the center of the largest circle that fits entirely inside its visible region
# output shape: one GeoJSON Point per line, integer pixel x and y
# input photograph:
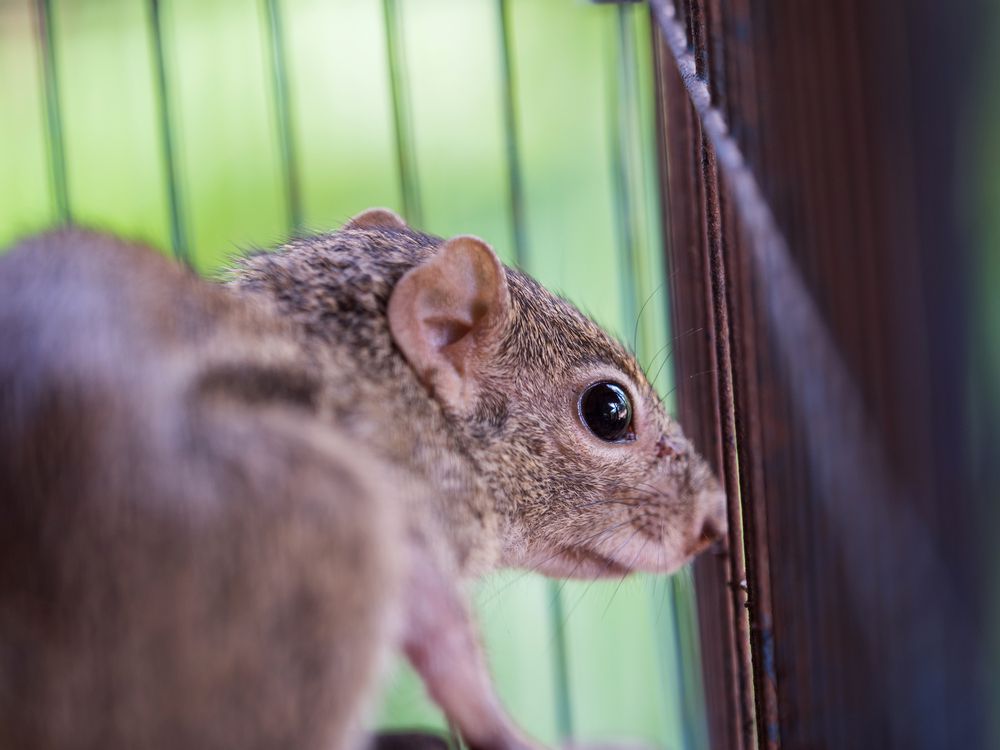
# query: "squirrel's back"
{"type": "Point", "coordinates": [187, 556]}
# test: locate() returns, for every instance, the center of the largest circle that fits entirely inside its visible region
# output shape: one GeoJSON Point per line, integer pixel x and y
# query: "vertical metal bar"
{"type": "Point", "coordinates": [687, 191]}
{"type": "Point", "coordinates": [628, 169]}
{"type": "Point", "coordinates": [622, 102]}
{"type": "Point", "coordinates": [695, 727]}
{"type": "Point", "coordinates": [628, 164]}
{"type": "Point", "coordinates": [705, 20]}
{"type": "Point", "coordinates": [557, 615]}
{"type": "Point", "coordinates": [178, 234]}
{"type": "Point", "coordinates": [734, 36]}
{"type": "Point", "coordinates": [718, 578]}
{"type": "Point", "coordinates": [282, 112]}
{"type": "Point", "coordinates": [509, 106]}
{"type": "Point", "coordinates": [721, 294]}
{"type": "Point", "coordinates": [405, 152]}
{"type": "Point", "coordinates": [53, 115]}
{"type": "Point", "coordinates": [695, 730]}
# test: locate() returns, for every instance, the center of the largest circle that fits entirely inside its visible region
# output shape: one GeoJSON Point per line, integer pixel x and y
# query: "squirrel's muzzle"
{"type": "Point", "coordinates": [710, 518]}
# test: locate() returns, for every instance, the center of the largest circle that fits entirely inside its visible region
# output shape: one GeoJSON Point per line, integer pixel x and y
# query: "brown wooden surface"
{"type": "Point", "coordinates": [815, 248]}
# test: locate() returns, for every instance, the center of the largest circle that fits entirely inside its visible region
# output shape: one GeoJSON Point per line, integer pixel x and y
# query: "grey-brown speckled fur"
{"type": "Point", "coordinates": [222, 506]}
{"type": "Point", "coordinates": [543, 491]}
{"type": "Point", "coordinates": [171, 566]}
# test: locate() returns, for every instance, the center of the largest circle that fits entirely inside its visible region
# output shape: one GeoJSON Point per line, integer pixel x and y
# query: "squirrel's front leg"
{"type": "Point", "coordinates": [442, 644]}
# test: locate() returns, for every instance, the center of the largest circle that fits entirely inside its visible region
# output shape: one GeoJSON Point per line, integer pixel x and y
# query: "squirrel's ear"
{"type": "Point", "coordinates": [448, 314]}
{"type": "Point", "coordinates": [376, 218]}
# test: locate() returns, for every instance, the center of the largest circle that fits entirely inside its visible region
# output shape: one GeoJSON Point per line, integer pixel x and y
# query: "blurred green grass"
{"type": "Point", "coordinates": [629, 646]}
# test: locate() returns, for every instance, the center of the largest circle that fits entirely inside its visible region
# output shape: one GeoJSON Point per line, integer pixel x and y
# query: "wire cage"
{"type": "Point", "coordinates": [206, 127]}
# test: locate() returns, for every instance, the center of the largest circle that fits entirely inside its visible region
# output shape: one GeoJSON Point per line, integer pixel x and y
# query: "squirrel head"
{"type": "Point", "coordinates": [591, 476]}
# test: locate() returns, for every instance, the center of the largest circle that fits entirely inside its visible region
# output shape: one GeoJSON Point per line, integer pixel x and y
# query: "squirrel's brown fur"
{"type": "Point", "coordinates": [544, 493]}
{"type": "Point", "coordinates": [220, 506]}
{"type": "Point", "coordinates": [171, 564]}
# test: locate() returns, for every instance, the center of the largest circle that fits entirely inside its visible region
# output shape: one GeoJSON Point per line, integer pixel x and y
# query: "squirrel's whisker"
{"type": "Point", "coordinates": [624, 575]}
{"type": "Point", "coordinates": [536, 567]}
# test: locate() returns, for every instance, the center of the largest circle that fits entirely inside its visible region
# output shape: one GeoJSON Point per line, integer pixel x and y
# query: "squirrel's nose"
{"type": "Point", "coordinates": [714, 527]}
{"type": "Point", "coordinates": [713, 524]}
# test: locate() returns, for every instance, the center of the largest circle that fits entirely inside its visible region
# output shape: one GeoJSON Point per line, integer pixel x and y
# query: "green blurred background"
{"type": "Point", "coordinates": [207, 126]}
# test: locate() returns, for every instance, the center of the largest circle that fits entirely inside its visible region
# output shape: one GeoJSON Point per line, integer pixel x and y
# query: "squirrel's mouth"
{"type": "Point", "coordinates": [612, 558]}
{"type": "Point", "coordinates": [584, 563]}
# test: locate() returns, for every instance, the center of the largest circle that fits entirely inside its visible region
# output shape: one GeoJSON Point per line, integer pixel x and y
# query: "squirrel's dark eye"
{"type": "Point", "coordinates": [607, 412]}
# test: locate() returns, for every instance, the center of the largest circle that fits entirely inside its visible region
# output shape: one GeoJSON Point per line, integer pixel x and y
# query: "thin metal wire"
{"type": "Point", "coordinates": [509, 106]}
{"type": "Point", "coordinates": [694, 722]}
{"type": "Point", "coordinates": [178, 234]}
{"type": "Point", "coordinates": [405, 152]}
{"type": "Point", "coordinates": [630, 182]}
{"type": "Point", "coordinates": [557, 615]}
{"type": "Point", "coordinates": [283, 113]}
{"type": "Point", "coordinates": [637, 282]}
{"type": "Point", "coordinates": [53, 114]}
{"type": "Point", "coordinates": [621, 100]}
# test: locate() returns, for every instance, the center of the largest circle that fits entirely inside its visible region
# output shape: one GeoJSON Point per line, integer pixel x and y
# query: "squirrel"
{"type": "Point", "coordinates": [223, 506]}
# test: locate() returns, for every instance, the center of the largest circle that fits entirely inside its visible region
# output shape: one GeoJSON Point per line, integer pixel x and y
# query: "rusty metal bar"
{"type": "Point", "coordinates": [695, 358]}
